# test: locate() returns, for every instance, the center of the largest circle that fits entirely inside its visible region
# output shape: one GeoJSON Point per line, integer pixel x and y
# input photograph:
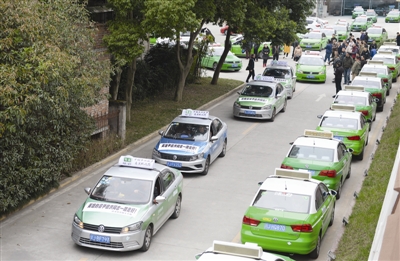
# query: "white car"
{"type": "Point", "coordinates": [312, 24]}
{"type": "Point", "coordinates": [238, 252]}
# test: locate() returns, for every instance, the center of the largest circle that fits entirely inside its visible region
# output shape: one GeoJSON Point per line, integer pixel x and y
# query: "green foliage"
{"type": "Point", "coordinates": [49, 72]}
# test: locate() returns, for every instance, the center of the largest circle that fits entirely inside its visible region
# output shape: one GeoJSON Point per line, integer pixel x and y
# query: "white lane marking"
{"type": "Point", "coordinates": [320, 97]}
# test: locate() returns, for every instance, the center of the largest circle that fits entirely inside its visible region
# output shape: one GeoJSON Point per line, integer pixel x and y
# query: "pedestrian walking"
{"type": "Point", "coordinates": [398, 39]}
{"type": "Point", "coordinates": [294, 45]}
{"type": "Point", "coordinates": [338, 77]}
{"type": "Point", "coordinates": [328, 52]}
{"type": "Point", "coordinates": [250, 68]}
{"type": "Point", "coordinates": [297, 53]}
{"type": "Point", "coordinates": [256, 47]}
{"type": "Point", "coordinates": [286, 50]}
{"type": "Point", "coordinates": [275, 52]}
{"type": "Point", "coordinates": [356, 68]}
{"type": "Point", "coordinates": [347, 64]}
{"type": "Point", "coordinates": [265, 54]}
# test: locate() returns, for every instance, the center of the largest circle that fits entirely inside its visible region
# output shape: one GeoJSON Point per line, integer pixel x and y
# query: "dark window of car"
{"type": "Point", "coordinates": [168, 178]}
{"type": "Point", "coordinates": [319, 201]}
{"type": "Point", "coordinates": [324, 191]}
{"type": "Point", "coordinates": [311, 153]}
{"type": "Point", "coordinates": [340, 152]}
{"type": "Point", "coordinates": [362, 121]}
{"type": "Point", "coordinates": [342, 148]}
{"type": "Point", "coordinates": [283, 201]}
{"type": "Point", "coordinates": [217, 125]}
{"type": "Point", "coordinates": [158, 188]}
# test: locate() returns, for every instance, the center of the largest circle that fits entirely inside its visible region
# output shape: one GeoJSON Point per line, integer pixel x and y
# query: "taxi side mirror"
{"type": "Point", "coordinates": [350, 150]}
{"type": "Point", "coordinates": [161, 132]}
{"type": "Point", "coordinates": [238, 93]}
{"type": "Point", "coordinates": [160, 199]}
{"type": "Point", "coordinates": [87, 190]}
{"type": "Point", "coordinates": [319, 116]}
{"type": "Point", "coordinates": [214, 138]}
{"type": "Point", "coordinates": [260, 183]}
{"type": "Point", "coordinates": [291, 143]}
{"type": "Point", "coordinates": [368, 120]}
{"type": "Point", "coordinates": [333, 193]}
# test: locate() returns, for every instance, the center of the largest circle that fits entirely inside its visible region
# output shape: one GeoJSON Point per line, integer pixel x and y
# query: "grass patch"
{"type": "Point", "coordinates": [359, 233]}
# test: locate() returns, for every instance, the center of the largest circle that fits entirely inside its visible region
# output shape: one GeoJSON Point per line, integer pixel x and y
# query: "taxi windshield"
{"type": "Point", "coordinates": [340, 28]}
{"type": "Point", "coordinates": [374, 31]}
{"type": "Point", "coordinates": [374, 70]}
{"type": "Point", "coordinates": [313, 36]}
{"type": "Point", "coordinates": [277, 73]}
{"type": "Point", "coordinates": [367, 84]}
{"type": "Point", "coordinates": [309, 60]}
{"type": "Point", "coordinates": [218, 51]}
{"type": "Point", "coordinates": [395, 13]}
{"type": "Point", "coordinates": [311, 153]}
{"type": "Point", "coordinates": [257, 91]}
{"type": "Point", "coordinates": [122, 190]}
{"type": "Point", "coordinates": [360, 20]}
{"type": "Point", "coordinates": [186, 131]}
{"type": "Point", "coordinates": [283, 201]}
{"type": "Point", "coordinates": [386, 60]}
{"type": "Point", "coordinates": [339, 123]}
{"type": "Point", "coordinates": [358, 9]}
{"type": "Point", "coordinates": [328, 31]}
{"type": "Point", "coordinates": [350, 99]}
{"type": "Point", "coordinates": [370, 13]}
{"type": "Point", "coordinates": [391, 49]}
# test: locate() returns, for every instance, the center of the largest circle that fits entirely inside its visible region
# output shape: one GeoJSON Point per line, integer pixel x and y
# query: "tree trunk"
{"type": "Point", "coordinates": [181, 83]}
{"type": "Point", "coordinates": [116, 79]}
{"type": "Point", "coordinates": [129, 88]}
{"type": "Point", "coordinates": [214, 80]}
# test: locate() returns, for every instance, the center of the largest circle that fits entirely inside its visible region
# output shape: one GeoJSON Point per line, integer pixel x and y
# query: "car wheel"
{"type": "Point", "coordinates": [223, 152]}
{"type": "Point", "coordinates": [395, 79]}
{"type": "Point", "coordinates": [332, 216]}
{"type": "Point", "coordinates": [349, 174]}
{"type": "Point", "coordinates": [273, 115]}
{"type": "Point", "coordinates": [206, 166]}
{"type": "Point", "coordinates": [388, 92]}
{"type": "Point", "coordinates": [147, 239]}
{"type": "Point", "coordinates": [315, 253]}
{"type": "Point", "coordinates": [370, 126]}
{"type": "Point", "coordinates": [284, 106]}
{"type": "Point", "coordinates": [339, 190]}
{"type": "Point", "coordinates": [177, 209]}
{"type": "Point", "coordinates": [361, 155]}
{"type": "Point", "coordinates": [215, 66]}
{"type": "Point", "coordinates": [380, 108]}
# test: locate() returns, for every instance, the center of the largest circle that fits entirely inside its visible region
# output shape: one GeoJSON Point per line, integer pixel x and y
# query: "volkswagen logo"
{"type": "Point", "coordinates": [100, 228]}
{"type": "Point", "coordinates": [250, 107]}
{"type": "Point", "coordinates": [306, 166]}
{"type": "Point", "coordinates": [174, 157]}
{"type": "Point", "coordinates": [275, 219]}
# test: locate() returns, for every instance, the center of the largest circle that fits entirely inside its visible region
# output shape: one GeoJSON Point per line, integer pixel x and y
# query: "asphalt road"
{"type": "Point", "coordinates": [213, 205]}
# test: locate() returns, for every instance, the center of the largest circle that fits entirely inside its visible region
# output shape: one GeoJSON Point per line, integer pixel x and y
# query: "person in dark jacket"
{"type": "Point", "coordinates": [250, 68]}
{"type": "Point", "coordinates": [365, 53]}
{"type": "Point", "coordinates": [373, 46]}
{"type": "Point", "coordinates": [347, 64]}
{"type": "Point", "coordinates": [328, 52]}
{"type": "Point", "coordinates": [363, 61]}
{"type": "Point", "coordinates": [256, 47]}
{"type": "Point", "coordinates": [295, 44]}
{"type": "Point", "coordinates": [398, 39]}
{"type": "Point", "coordinates": [275, 52]}
{"type": "Point", "coordinates": [338, 77]}
{"type": "Point", "coordinates": [265, 54]}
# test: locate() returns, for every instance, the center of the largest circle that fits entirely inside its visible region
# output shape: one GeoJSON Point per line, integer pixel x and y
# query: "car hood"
{"type": "Point", "coordinates": [111, 214]}
{"type": "Point", "coordinates": [310, 68]}
{"type": "Point", "coordinates": [359, 23]}
{"type": "Point", "coordinates": [307, 40]}
{"type": "Point", "coordinates": [179, 146]}
{"type": "Point", "coordinates": [306, 164]}
{"type": "Point", "coordinates": [255, 101]}
{"type": "Point", "coordinates": [392, 15]}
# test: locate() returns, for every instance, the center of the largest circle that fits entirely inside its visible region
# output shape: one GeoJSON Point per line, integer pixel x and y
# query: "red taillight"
{"type": "Point", "coordinates": [364, 112]}
{"type": "Point", "coordinates": [385, 79]}
{"type": "Point", "coordinates": [377, 95]}
{"type": "Point", "coordinates": [317, 25]}
{"type": "Point", "coordinates": [302, 228]}
{"type": "Point", "coordinates": [328, 173]}
{"type": "Point", "coordinates": [250, 221]}
{"type": "Point", "coordinates": [283, 166]}
{"type": "Point", "coordinates": [392, 68]}
{"type": "Point", "coordinates": [353, 138]}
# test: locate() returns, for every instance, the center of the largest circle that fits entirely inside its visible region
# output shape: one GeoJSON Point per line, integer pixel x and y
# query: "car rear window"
{"type": "Point", "coordinates": [317, 61]}
{"type": "Point", "coordinates": [277, 73]}
{"type": "Point", "coordinates": [361, 20]}
{"type": "Point", "coordinates": [283, 201]}
{"type": "Point", "coordinates": [352, 100]}
{"type": "Point", "coordinates": [374, 70]}
{"type": "Point", "coordinates": [374, 30]}
{"type": "Point", "coordinates": [311, 153]}
{"type": "Point", "coordinates": [339, 123]}
{"type": "Point", "coordinates": [386, 60]}
{"type": "Point", "coordinates": [394, 50]}
{"type": "Point", "coordinates": [367, 84]}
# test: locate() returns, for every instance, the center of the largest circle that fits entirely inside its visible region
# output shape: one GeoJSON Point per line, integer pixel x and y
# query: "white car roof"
{"type": "Point", "coordinates": [343, 114]}
{"type": "Point", "coordinates": [291, 185]}
{"type": "Point", "coordinates": [384, 56]}
{"type": "Point", "coordinates": [375, 66]}
{"type": "Point", "coordinates": [389, 46]}
{"type": "Point", "coordinates": [192, 120]}
{"type": "Point", "coordinates": [316, 142]}
{"type": "Point", "coordinates": [135, 173]}
{"type": "Point", "coordinates": [372, 79]}
{"type": "Point", "coordinates": [353, 93]}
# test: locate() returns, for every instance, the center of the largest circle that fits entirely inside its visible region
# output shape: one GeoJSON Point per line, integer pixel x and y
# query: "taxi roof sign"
{"type": "Point", "coordinates": [259, 77]}
{"type": "Point", "coordinates": [368, 74]}
{"type": "Point", "coordinates": [390, 43]}
{"type": "Point", "coordinates": [279, 63]}
{"type": "Point", "coordinates": [297, 174]}
{"type": "Point", "coordinates": [313, 52]}
{"type": "Point", "coordinates": [134, 162]}
{"type": "Point", "coordinates": [249, 250]}
{"type": "Point", "coordinates": [376, 62]}
{"type": "Point", "coordinates": [385, 52]}
{"type": "Point", "coordinates": [318, 134]}
{"type": "Point", "coordinates": [343, 107]}
{"type": "Point", "coordinates": [194, 113]}
{"type": "Point", "coordinates": [357, 88]}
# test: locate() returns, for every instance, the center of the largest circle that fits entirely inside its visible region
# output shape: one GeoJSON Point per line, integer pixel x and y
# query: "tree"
{"type": "Point", "coordinates": [125, 43]}
{"type": "Point", "coordinates": [49, 72]}
{"type": "Point", "coordinates": [169, 18]}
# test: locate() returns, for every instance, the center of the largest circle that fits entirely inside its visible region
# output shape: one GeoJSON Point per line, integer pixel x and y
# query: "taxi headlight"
{"type": "Point", "coordinates": [78, 222]}
{"type": "Point", "coordinates": [156, 153]}
{"type": "Point", "coordinates": [321, 72]}
{"type": "Point", "coordinates": [236, 104]}
{"type": "Point", "coordinates": [267, 107]}
{"type": "Point", "coordinates": [299, 71]}
{"type": "Point", "coordinates": [197, 156]}
{"type": "Point", "coordinates": [134, 227]}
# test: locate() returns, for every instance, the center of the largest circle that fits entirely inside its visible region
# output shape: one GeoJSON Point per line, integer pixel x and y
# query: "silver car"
{"type": "Point", "coordinates": [282, 73]}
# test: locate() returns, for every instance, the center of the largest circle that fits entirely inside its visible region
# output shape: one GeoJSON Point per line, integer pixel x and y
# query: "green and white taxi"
{"type": "Point", "coordinates": [261, 99]}
{"type": "Point", "coordinates": [314, 40]}
{"type": "Point", "coordinates": [342, 32]}
{"type": "Point", "coordinates": [237, 42]}
{"type": "Point", "coordinates": [361, 23]}
{"type": "Point", "coordinates": [357, 11]}
{"type": "Point", "coordinates": [378, 34]}
{"type": "Point", "coordinates": [327, 159]}
{"type": "Point", "coordinates": [311, 67]}
{"type": "Point", "coordinates": [347, 125]}
{"type": "Point", "coordinates": [228, 251]}
{"type": "Point", "coordinates": [128, 206]}
{"type": "Point", "coordinates": [282, 73]}
{"type": "Point", "coordinates": [374, 85]}
{"type": "Point", "coordinates": [378, 69]}
{"type": "Point", "coordinates": [393, 16]}
{"type": "Point", "coordinates": [390, 60]}
{"type": "Point", "coordinates": [370, 13]}
{"type": "Point", "coordinates": [213, 55]}
{"type": "Point", "coordinates": [391, 47]}
{"type": "Point", "coordinates": [290, 213]}
{"type": "Point", "coordinates": [362, 100]}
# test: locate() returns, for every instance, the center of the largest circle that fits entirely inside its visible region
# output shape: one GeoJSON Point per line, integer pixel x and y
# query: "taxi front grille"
{"type": "Point", "coordinates": [178, 157]}
{"type": "Point", "coordinates": [250, 115]}
{"type": "Point", "coordinates": [310, 72]}
{"type": "Point", "coordinates": [251, 108]}
{"type": "Point", "coordinates": [111, 245]}
{"type": "Point", "coordinates": [233, 62]}
{"type": "Point", "coordinates": [113, 230]}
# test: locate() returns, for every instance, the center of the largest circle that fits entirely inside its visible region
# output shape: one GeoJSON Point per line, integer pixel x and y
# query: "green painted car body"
{"type": "Point", "coordinates": [361, 23]}
{"type": "Point", "coordinates": [314, 40]}
{"type": "Point", "coordinates": [357, 11]}
{"type": "Point", "coordinates": [213, 55]}
{"type": "Point", "coordinates": [342, 32]}
{"type": "Point", "coordinates": [390, 60]}
{"type": "Point", "coordinates": [311, 68]}
{"type": "Point", "coordinates": [372, 14]}
{"type": "Point", "coordinates": [378, 34]}
{"type": "Point", "coordinates": [393, 16]}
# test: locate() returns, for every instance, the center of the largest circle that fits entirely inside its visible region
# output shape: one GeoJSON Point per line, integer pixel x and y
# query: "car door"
{"type": "Point", "coordinates": [293, 76]}
{"type": "Point", "coordinates": [321, 210]}
{"type": "Point", "coordinates": [237, 47]}
{"type": "Point", "coordinates": [345, 159]}
{"type": "Point", "coordinates": [160, 209]}
{"type": "Point", "coordinates": [216, 146]}
{"type": "Point", "coordinates": [364, 126]}
{"type": "Point", "coordinates": [206, 61]}
{"type": "Point", "coordinates": [373, 105]}
{"type": "Point", "coordinates": [170, 191]}
{"type": "Point", "coordinates": [326, 207]}
{"type": "Point", "coordinates": [341, 164]}
{"type": "Point", "coordinates": [279, 97]}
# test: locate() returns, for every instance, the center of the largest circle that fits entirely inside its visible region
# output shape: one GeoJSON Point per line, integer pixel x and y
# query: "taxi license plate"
{"type": "Point", "coordinates": [174, 164]}
{"type": "Point", "coordinates": [338, 137]}
{"type": "Point", "coordinates": [312, 172]}
{"type": "Point", "coordinates": [274, 227]}
{"type": "Point", "coordinates": [234, 65]}
{"type": "Point", "coordinates": [100, 239]}
{"type": "Point", "coordinates": [250, 112]}
{"type": "Point", "coordinates": [310, 76]}
{"type": "Point", "coordinates": [308, 46]}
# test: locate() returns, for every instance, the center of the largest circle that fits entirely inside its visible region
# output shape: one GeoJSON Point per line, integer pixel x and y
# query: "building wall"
{"type": "Point", "coordinates": [344, 7]}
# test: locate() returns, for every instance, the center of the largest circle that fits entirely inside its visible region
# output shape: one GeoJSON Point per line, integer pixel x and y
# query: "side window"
{"type": "Point", "coordinates": [343, 149]}
{"type": "Point", "coordinates": [324, 191]}
{"type": "Point", "coordinates": [339, 152]}
{"type": "Point", "coordinates": [158, 188]}
{"type": "Point", "coordinates": [370, 99]}
{"type": "Point", "coordinates": [318, 198]}
{"type": "Point", "coordinates": [217, 124]}
{"type": "Point", "coordinates": [362, 121]}
{"type": "Point", "coordinates": [167, 179]}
